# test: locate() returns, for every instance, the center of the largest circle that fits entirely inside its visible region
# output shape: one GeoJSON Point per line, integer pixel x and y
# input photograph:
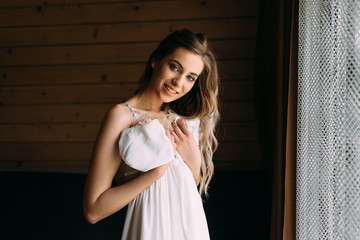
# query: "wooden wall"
{"type": "Point", "coordinates": [64, 63]}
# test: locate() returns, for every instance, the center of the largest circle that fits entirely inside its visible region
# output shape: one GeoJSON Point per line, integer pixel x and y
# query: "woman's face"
{"type": "Point", "coordinates": [175, 74]}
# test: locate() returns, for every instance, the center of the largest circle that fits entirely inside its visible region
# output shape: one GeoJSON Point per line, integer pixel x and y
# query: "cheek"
{"type": "Point", "coordinates": [164, 74]}
{"type": "Point", "coordinates": [157, 76]}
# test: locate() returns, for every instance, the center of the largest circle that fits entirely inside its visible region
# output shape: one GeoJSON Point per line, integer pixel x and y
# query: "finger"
{"type": "Point", "coordinates": [175, 136]}
{"type": "Point", "coordinates": [167, 133]}
{"type": "Point", "coordinates": [177, 130]}
{"type": "Point", "coordinates": [182, 127]}
{"type": "Point", "coordinates": [172, 139]}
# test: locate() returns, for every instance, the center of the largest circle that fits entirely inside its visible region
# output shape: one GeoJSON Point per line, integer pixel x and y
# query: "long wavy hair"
{"type": "Point", "coordinates": [201, 101]}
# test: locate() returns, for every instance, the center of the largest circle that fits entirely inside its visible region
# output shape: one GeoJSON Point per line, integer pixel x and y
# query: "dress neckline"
{"type": "Point", "coordinates": [136, 115]}
{"type": "Point", "coordinates": [140, 112]}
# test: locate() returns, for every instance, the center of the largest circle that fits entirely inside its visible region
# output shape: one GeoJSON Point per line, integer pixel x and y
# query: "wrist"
{"type": "Point", "coordinates": [158, 172]}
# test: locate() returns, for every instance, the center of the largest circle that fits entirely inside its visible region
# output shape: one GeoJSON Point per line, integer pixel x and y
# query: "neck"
{"type": "Point", "coordinates": [147, 101]}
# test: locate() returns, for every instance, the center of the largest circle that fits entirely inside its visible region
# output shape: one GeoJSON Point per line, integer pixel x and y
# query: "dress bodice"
{"type": "Point", "coordinates": [171, 207]}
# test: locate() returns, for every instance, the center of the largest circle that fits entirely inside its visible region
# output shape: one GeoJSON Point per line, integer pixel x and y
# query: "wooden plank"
{"type": "Point", "coordinates": [135, 32]}
{"type": "Point", "coordinates": [242, 69]}
{"type": "Point", "coordinates": [35, 3]}
{"type": "Point", "coordinates": [238, 111]}
{"type": "Point", "coordinates": [126, 11]}
{"type": "Point", "coordinates": [111, 53]}
{"type": "Point", "coordinates": [105, 93]}
{"type": "Point", "coordinates": [45, 152]}
{"type": "Point", "coordinates": [237, 90]}
{"type": "Point", "coordinates": [245, 152]}
{"type": "Point", "coordinates": [10, 165]}
{"type": "Point", "coordinates": [238, 131]}
{"type": "Point", "coordinates": [94, 113]}
{"type": "Point", "coordinates": [118, 53]}
{"type": "Point", "coordinates": [63, 113]}
{"type": "Point", "coordinates": [56, 165]}
{"type": "Point", "coordinates": [235, 131]}
{"type": "Point", "coordinates": [49, 132]}
{"type": "Point", "coordinates": [98, 93]}
{"type": "Point", "coordinates": [74, 74]}
{"type": "Point", "coordinates": [70, 152]}
{"type": "Point", "coordinates": [104, 73]}
{"type": "Point", "coordinates": [82, 166]}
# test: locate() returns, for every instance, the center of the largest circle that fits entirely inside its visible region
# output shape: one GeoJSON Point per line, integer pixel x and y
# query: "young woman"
{"type": "Point", "coordinates": [159, 168]}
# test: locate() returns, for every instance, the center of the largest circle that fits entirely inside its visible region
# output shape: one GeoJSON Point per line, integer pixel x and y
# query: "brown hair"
{"type": "Point", "coordinates": [201, 101]}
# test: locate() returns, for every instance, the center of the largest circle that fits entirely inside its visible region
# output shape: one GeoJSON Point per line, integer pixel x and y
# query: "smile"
{"type": "Point", "coordinates": [170, 89]}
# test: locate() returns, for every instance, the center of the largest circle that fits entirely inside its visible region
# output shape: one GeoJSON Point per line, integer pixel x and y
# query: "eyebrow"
{"type": "Point", "coordinates": [182, 66]}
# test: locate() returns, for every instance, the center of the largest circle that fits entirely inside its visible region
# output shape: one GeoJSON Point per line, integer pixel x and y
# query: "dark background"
{"type": "Point", "coordinates": [38, 205]}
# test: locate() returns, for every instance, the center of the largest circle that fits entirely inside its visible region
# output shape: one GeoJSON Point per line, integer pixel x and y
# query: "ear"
{"type": "Point", "coordinates": [153, 64]}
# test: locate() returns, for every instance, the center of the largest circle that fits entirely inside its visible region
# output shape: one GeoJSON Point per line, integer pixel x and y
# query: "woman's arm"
{"type": "Point", "coordinates": [188, 149]}
{"type": "Point", "coordinates": [100, 199]}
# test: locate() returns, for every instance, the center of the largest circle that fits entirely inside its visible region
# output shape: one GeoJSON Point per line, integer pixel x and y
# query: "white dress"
{"type": "Point", "coordinates": [170, 208]}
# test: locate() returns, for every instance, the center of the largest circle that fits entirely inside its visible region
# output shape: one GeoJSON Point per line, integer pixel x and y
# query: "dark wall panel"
{"type": "Point", "coordinates": [64, 63]}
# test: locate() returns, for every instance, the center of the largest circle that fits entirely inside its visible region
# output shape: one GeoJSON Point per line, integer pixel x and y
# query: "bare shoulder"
{"type": "Point", "coordinates": [119, 115]}
{"type": "Point", "coordinates": [116, 120]}
{"type": "Point", "coordinates": [120, 110]}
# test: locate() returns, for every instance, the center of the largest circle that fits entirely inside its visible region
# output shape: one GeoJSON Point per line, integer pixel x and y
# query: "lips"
{"type": "Point", "coordinates": [170, 90]}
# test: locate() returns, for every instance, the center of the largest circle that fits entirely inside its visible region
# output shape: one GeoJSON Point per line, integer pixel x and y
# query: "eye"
{"type": "Point", "coordinates": [191, 78]}
{"type": "Point", "coordinates": [174, 67]}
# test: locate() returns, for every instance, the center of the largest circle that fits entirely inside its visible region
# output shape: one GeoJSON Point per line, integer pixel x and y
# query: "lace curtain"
{"type": "Point", "coordinates": [328, 139]}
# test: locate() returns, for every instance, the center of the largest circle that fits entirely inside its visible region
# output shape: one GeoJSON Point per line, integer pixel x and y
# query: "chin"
{"type": "Point", "coordinates": [170, 100]}
{"type": "Point", "coordinates": [167, 99]}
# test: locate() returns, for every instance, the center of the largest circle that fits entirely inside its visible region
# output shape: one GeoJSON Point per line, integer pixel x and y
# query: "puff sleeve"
{"type": "Point", "coordinates": [144, 147]}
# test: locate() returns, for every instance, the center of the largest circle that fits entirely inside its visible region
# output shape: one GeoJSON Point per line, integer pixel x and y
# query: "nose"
{"type": "Point", "coordinates": [178, 81]}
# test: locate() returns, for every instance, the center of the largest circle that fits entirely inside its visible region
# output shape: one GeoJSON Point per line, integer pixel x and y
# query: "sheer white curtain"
{"type": "Point", "coordinates": [328, 139]}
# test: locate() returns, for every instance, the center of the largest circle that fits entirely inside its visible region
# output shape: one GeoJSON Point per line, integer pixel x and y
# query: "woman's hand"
{"type": "Point", "coordinates": [100, 198]}
{"type": "Point", "coordinates": [187, 147]}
